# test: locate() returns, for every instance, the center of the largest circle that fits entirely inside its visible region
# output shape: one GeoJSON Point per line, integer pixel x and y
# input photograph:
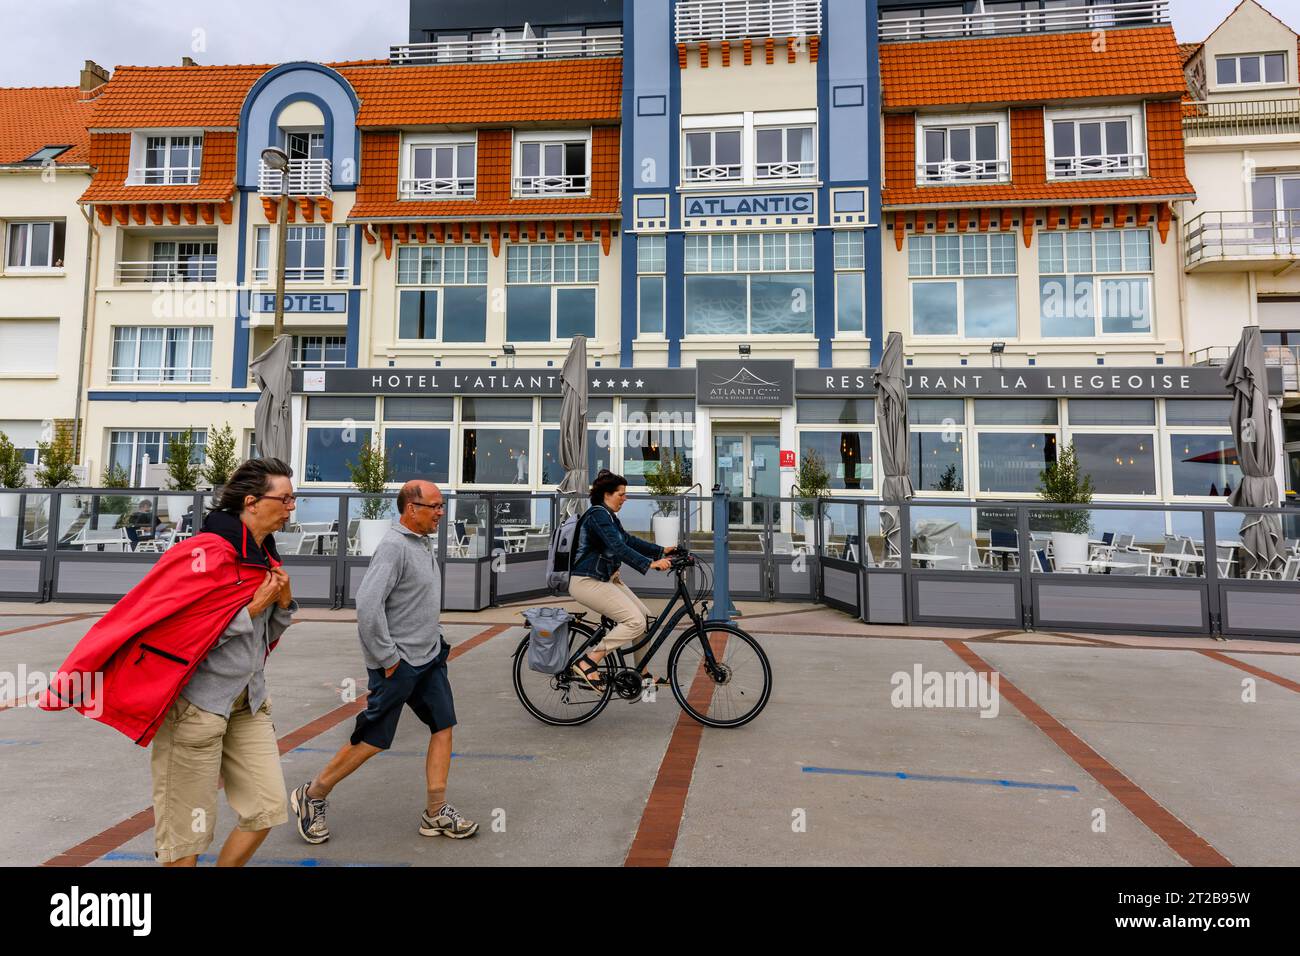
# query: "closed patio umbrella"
{"type": "Point", "coordinates": [271, 417]}
{"type": "Point", "coordinates": [891, 422]}
{"type": "Point", "coordinates": [573, 422]}
{"type": "Point", "coordinates": [1247, 382]}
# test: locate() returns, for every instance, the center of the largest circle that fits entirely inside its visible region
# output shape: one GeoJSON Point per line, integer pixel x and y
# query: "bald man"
{"type": "Point", "coordinates": [398, 605]}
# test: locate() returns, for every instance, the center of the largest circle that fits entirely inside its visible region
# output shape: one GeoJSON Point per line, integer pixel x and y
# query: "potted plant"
{"type": "Point", "coordinates": [370, 476]}
{"type": "Point", "coordinates": [666, 482]}
{"type": "Point", "coordinates": [812, 481]}
{"type": "Point", "coordinates": [182, 473]}
{"type": "Point", "coordinates": [115, 476]}
{"type": "Point", "coordinates": [222, 460]}
{"type": "Point", "coordinates": [1063, 482]}
{"type": "Point", "coordinates": [57, 470]}
{"type": "Point", "coordinates": [13, 474]}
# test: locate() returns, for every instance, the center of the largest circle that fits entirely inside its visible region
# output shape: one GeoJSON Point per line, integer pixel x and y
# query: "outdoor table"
{"type": "Point", "coordinates": [933, 557]}
{"type": "Point", "coordinates": [1006, 551]}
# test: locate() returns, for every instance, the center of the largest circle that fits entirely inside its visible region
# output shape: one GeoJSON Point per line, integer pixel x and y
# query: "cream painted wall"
{"type": "Point", "coordinates": [103, 418]}
{"type": "Point", "coordinates": [1251, 29]}
{"type": "Point", "coordinates": [736, 88]}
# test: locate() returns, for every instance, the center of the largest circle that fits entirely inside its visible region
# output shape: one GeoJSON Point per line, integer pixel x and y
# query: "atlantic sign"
{"type": "Point", "coordinates": [772, 204]}
{"type": "Point", "coordinates": [747, 382]}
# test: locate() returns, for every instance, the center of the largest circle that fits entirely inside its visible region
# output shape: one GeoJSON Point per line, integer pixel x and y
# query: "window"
{"type": "Point", "coordinates": [342, 268]}
{"type": "Point", "coordinates": [320, 351]}
{"type": "Point", "coordinates": [1119, 463]}
{"type": "Point", "coordinates": [171, 160]}
{"type": "Point", "coordinates": [493, 455]}
{"type": "Point", "coordinates": [454, 297]}
{"type": "Point", "coordinates": [261, 253]}
{"type": "Point", "coordinates": [158, 354]}
{"type": "Point", "coordinates": [651, 263]}
{"type": "Point", "coordinates": [1104, 146]}
{"type": "Point", "coordinates": [346, 424]}
{"type": "Point", "coordinates": [551, 291]}
{"type": "Point", "coordinates": [304, 255]}
{"type": "Point", "coordinates": [1251, 68]}
{"type": "Point", "coordinates": [129, 450]}
{"type": "Point", "coordinates": [937, 445]}
{"type": "Point", "coordinates": [975, 303]}
{"type": "Point", "coordinates": [29, 346]}
{"type": "Point", "coordinates": [553, 165]}
{"type": "Point", "coordinates": [784, 152]}
{"type": "Point", "coordinates": [1013, 453]}
{"type": "Point", "coordinates": [1096, 275]}
{"type": "Point", "coordinates": [751, 283]}
{"type": "Point", "coordinates": [416, 451]}
{"type": "Point", "coordinates": [850, 283]}
{"type": "Point", "coordinates": [304, 144]}
{"type": "Point", "coordinates": [440, 170]}
{"type": "Point", "coordinates": [34, 245]}
{"type": "Point", "coordinates": [847, 455]}
{"type": "Point", "coordinates": [46, 154]}
{"type": "Point", "coordinates": [194, 261]}
{"type": "Point", "coordinates": [1204, 464]}
{"type": "Point", "coordinates": [713, 156]}
{"type": "Point", "coordinates": [964, 152]}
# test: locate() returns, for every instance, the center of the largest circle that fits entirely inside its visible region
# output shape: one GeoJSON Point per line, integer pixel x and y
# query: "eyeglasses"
{"type": "Point", "coordinates": [440, 506]}
{"type": "Point", "coordinates": [285, 500]}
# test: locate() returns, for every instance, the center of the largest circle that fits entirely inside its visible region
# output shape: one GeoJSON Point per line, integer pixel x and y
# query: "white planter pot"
{"type": "Point", "coordinates": [666, 528]}
{"type": "Point", "coordinates": [1069, 550]}
{"type": "Point", "coordinates": [177, 505]}
{"type": "Point", "coordinates": [810, 531]}
{"type": "Point", "coordinates": [9, 505]}
{"type": "Point", "coordinates": [370, 531]}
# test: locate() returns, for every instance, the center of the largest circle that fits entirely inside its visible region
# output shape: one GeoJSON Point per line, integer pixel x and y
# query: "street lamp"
{"type": "Point", "coordinates": [278, 160]}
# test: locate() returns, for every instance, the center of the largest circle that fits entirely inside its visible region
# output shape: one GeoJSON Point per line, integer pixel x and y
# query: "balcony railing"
{"type": "Point", "coordinates": [442, 187]}
{"type": "Point", "coordinates": [791, 169]}
{"type": "Point", "coordinates": [167, 271]}
{"type": "Point", "coordinates": [551, 185]}
{"type": "Point", "coordinates": [1099, 16]}
{"type": "Point", "coordinates": [1242, 118]}
{"type": "Point", "coordinates": [698, 21]}
{"type": "Point", "coordinates": [164, 176]}
{"type": "Point", "coordinates": [1270, 236]}
{"type": "Point", "coordinates": [505, 48]}
{"type": "Point", "coordinates": [713, 173]}
{"type": "Point", "coordinates": [956, 171]}
{"type": "Point", "coordinates": [307, 177]}
{"type": "Point", "coordinates": [1286, 357]}
{"type": "Point", "coordinates": [1109, 166]}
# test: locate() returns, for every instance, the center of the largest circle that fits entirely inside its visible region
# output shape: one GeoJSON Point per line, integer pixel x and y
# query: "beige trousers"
{"type": "Point", "coordinates": [614, 599]}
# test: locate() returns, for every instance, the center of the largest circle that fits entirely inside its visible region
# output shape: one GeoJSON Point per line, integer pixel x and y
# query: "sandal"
{"type": "Point", "coordinates": [592, 677]}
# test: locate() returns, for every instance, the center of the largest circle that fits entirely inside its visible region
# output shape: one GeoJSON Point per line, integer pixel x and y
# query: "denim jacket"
{"type": "Point", "coordinates": [603, 547]}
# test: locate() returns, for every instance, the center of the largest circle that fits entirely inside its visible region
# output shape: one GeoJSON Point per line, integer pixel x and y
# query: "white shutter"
{"type": "Point", "coordinates": [29, 345]}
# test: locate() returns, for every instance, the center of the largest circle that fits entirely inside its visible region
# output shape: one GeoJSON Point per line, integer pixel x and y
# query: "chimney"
{"type": "Point", "coordinates": [92, 76]}
{"type": "Point", "coordinates": [188, 61]}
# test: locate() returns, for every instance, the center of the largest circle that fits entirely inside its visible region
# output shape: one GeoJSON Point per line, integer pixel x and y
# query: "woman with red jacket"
{"type": "Point", "coordinates": [182, 657]}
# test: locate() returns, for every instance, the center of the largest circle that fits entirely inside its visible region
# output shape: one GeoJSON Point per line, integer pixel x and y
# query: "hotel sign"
{"type": "Point", "coordinates": [490, 381]}
{"type": "Point", "coordinates": [770, 204]}
{"type": "Point", "coordinates": [747, 382]}
{"type": "Point", "coordinates": [1146, 382]}
{"type": "Point", "coordinates": [296, 303]}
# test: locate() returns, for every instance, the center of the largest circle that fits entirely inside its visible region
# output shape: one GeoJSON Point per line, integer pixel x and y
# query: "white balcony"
{"type": "Point", "coordinates": [793, 169]}
{"type": "Point", "coordinates": [551, 185]}
{"type": "Point", "coordinates": [1101, 16]}
{"type": "Point", "coordinates": [954, 172]}
{"type": "Point", "coordinates": [444, 187]}
{"type": "Point", "coordinates": [166, 271]}
{"type": "Point", "coordinates": [715, 21]}
{"type": "Point", "coordinates": [164, 176]}
{"type": "Point", "coordinates": [728, 172]}
{"type": "Point", "coordinates": [1107, 166]}
{"type": "Point", "coordinates": [1243, 241]}
{"type": "Point", "coordinates": [307, 177]}
{"type": "Point", "coordinates": [505, 48]}
{"type": "Point", "coordinates": [1285, 357]}
{"type": "Point", "coordinates": [1251, 118]}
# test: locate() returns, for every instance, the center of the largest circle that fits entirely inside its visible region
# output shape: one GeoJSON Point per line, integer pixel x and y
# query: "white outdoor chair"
{"type": "Point", "coordinates": [110, 539]}
{"type": "Point", "coordinates": [8, 533]}
{"type": "Point", "coordinates": [290, 542]}
{"type": "Point", "coordinates": [782, 542]}
{"type": "Point", "coordinates": [1135, 562]}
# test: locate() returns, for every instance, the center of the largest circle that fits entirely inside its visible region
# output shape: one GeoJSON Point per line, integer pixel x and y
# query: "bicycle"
{"type": "Point", "coordinates": [717, 671]}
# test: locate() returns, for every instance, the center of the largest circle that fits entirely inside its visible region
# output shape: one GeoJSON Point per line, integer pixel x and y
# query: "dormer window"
{"type": "Point", "coordinates": [438, 166]}
{"type": "Point", "coordinates": [552, 164]}
{"type": "Point", "coordinates": [1250, 69]}
{"type": "Point", "coordinates": [962, 149]}
{"type": "Point", "coordinates": [749, 149]}
{"type": "Point", "coordinates": [1096, 144]}
{"type": "Point", "coordinates": [171, 160]}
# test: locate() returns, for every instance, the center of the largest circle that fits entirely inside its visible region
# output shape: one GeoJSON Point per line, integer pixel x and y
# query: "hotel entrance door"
{"type": "Point", "coordinates": [747, 463]}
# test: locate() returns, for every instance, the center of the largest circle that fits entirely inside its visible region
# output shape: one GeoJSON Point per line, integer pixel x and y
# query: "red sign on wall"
{"type": "Point", "coordinates": [787, 458]}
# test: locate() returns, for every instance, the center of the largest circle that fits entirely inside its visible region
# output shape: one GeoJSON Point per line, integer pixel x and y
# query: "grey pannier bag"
{"type": "Point", "coordinates": [548, 638]}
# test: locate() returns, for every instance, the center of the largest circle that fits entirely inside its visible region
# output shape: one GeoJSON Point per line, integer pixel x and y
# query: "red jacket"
{"type": "Point", "coordinates": [150, 642]}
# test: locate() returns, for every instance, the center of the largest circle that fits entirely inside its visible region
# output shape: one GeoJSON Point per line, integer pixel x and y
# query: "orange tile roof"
{"type": "Point", "coordinates": [1186, 51]}
{"type": "Point", "coordinates": [377, 190]}
{"type": "Point", "coordinates": [110, 154]}
{"type": "Point", "coordinates": [33, 117]}
{"type": "Point", "coordinates": [1033, 68]}
{"type": "Point", "coordinates": [480, 94]}
{"type": "Point", "coordinates": [1029, 184]}
{"type": "Point", "coordinates": [174, 96]}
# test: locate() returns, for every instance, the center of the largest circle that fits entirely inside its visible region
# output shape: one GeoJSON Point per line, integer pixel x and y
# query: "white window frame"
{"type": "Point", "coordinates": [9, 225]}
{"type": "Point", "coordinates": [263, 237]}
{"type": "Point", "coordinates": [459, 186]}
{"type": "Point", "coordinates": [964, 172]}
{"type": "Point", "coordinates": [839, 428]}
{"type": "Point", "coordinates": [342, 243]}
{"type": "Point", "coordinates": [556, 286]}
{"type": "Point", "coordinates": [959, 278]}
{"type": "Point", "coordinates": [200, 446]}
{"type": "Point", "coordinates": [747, 124]}
{"type": "Point", "coordinates": [402, 287]}
{"type": "Point", "coordinates": [852, 271]}
{"type": "Point", "coordinates": [185, 374]}
{"type": "Point", "coordinates": [1107, 165]}
{"type": "Point", "coordinates": [547, 185]}
{"type": "Point", "coordinates": [655, 270]}
{"type": "Point", "coordinates": [961, 429]}
{"type": "Point", "coordinates": [173, 269]}
{"type": "Point", "coordinates": [1262, 83]}
{"type": "Point", "coordinates": [300, 342]}
{"type": "Point", "coordinates": [1152, 432]}
{"type": "Point", "coordinates": [311, 132]}
{"type": "Point", "coordinates": [974, 432]}
{"type": "Point", "coordinates": [1097, 276]}
{"type": "Point", "coordinates": [139, 174]}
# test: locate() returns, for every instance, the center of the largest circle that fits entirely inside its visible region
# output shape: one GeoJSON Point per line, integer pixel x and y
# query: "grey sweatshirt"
{"type": "Point", "coordinates": [399, 601]}
{"type": "Point", "coordinates": [237, 661]}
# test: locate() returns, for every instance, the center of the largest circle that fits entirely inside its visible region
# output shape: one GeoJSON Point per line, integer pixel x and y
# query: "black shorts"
{"type": "Point", "coordinates": [425, 689]}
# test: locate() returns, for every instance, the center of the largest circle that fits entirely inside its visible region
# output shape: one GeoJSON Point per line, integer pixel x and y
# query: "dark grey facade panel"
{"type": "Point", "coordinates": [885, 599]}
{"type": "Point", "coordinates": [967, 600]}
{"type": "Point", "coordinates": [20, 577]}
{"type": "Point", "coordinates": [1256, 610]}
{"type": "Point", "coordinates": [1143, 606]}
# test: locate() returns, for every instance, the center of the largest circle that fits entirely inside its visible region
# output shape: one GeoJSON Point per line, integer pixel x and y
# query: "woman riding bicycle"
{"type": "Point", "coordinates": [603, 547]}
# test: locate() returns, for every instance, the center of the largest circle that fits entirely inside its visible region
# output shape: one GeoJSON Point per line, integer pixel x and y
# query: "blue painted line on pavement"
{"type": "Point", "coordinates": [419, 753]}
{"type": "Point", "coordinates": [21, 743]}
{"type": "Point", "coordinates": [932, 778]}
{"type": "Point", "coordinates": [118, 856]}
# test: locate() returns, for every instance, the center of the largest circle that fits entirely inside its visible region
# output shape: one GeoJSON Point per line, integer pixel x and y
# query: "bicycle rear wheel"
{"type": "Point", "coordinates": [560, 699]}
{"type": "Point", "coordinates": [729, 691]}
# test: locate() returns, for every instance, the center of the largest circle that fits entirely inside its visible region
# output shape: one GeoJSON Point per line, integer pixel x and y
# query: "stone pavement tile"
{"type": "Point", "coordinates": [1176, 725]}
{"type": "Point", "coordinates": [1285, 667]}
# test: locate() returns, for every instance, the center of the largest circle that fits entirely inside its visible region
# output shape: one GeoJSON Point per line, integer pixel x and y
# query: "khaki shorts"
{"type": "Point", "coordinates": [192, 752]}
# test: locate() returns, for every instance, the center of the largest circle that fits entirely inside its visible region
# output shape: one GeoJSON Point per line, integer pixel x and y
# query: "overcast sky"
{"type": "Point", "coordinates": [44, 43]}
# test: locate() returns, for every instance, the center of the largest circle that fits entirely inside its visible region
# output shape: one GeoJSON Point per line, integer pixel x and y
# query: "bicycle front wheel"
{"type": "Point", "coordinates": [561, 700]}
{"type": "Point", "coordinates": [720, 675]}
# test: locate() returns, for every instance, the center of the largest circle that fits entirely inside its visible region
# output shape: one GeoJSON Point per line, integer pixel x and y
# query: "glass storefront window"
{"type": "Point", "coordinates": [848, 456]}
{"type": "Point", "coordinates": [836, 411]}
{"type": "Point", "coordinates": [1200, 411]}
{"type": "Point", "coordinates": [937, 463]}
{"type": "Point", "coordinates": [1204, 464]}
{"type": "Point", "coordinates": [1112, 411]}
{"type": "Point", "coordinates": [419, 453]}
{"type": "Point", "coordinates": [1022, 411]}
{"type": "Point", "coordinates": [1118, 464]}
{"type": "Point", "coordinates": [644, 449]}
{"type": "Point", "coordinates": [597, 455]}
{"type": "Point", "coordinates": [936, 411]}
{"type": "Point", "coordinates": [402, 409]}
{"type": "Point", "coordinates": [330, 449]}
{"type": "Point", "coordinates": [337, 408]}
{"type": "Point", "coordinates": [658, 411]}
{"type": "Point", "coordinates": [1010, 462]}
{"type": "Point", "coordinates": [495, 456]}
{"type": "Point", "coordinates": [496, 409]}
